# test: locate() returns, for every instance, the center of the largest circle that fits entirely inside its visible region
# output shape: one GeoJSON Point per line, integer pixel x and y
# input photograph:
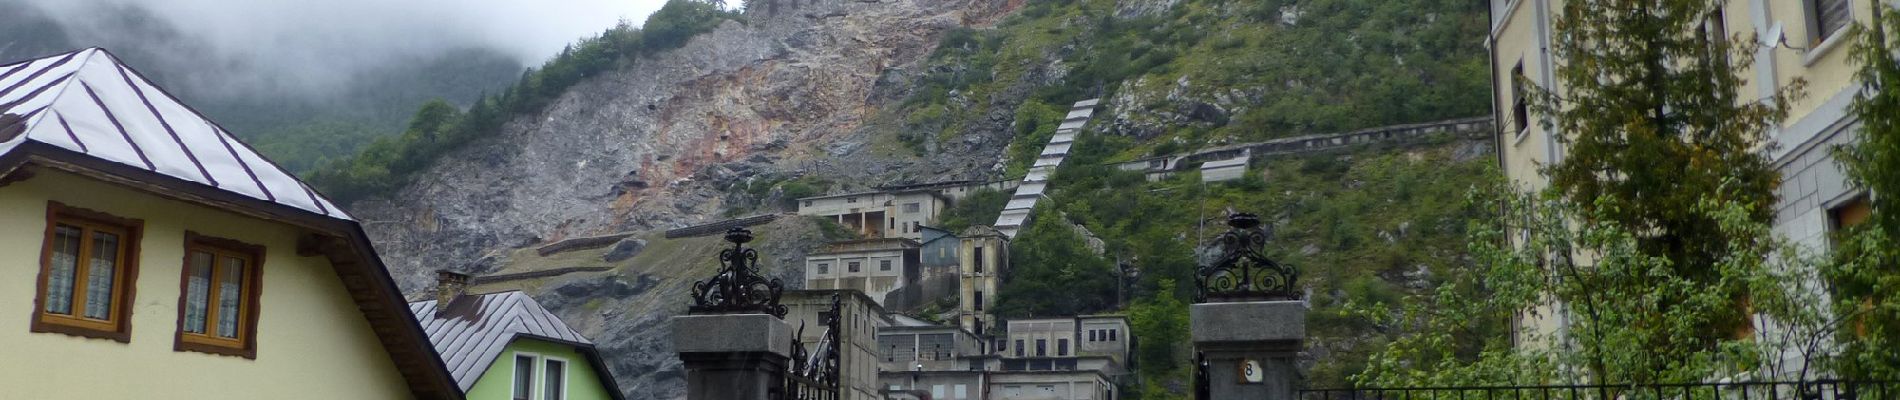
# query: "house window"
{"type": "Point", "coordinates": [524, 377]}
{"type": "Point", "coordinates": [537, 374]}
{"type": "Point", "coordinates": [1847, 215]}
{"type": "Point", "coordinates": [808, 203]}
{"type": "Point", "coordinates": [884, 265]}
{"type": "Point", "coordinates": [1717, 28]}
{"type": "Point", "coordinates": [1112, 333]}
{"type": "Point", "coordinates": [1852, 213]}
{"type": "Point", "coordinates": [912, 208]}
{"type": "Point", "coordinates": [1827, 17]}
{"type": "Point", "coordinates": [979, 300]}
{"type": "Point", "coordinates": [87, 266]}
{"type": "Point", "coordinates": [1062, 347]}
{"type": "Point", "coordinates": [554, 381]}
{"type": "Point", "coordinates": [1042, 347]}
{"type": "Point", "coordinates": [978, 259]}
{"type": "Point", "coordinates": [853, 266]}
{"type": "Point", "coordinates": [824, 268]}
{"type": "Point", "coordinates": [1092, 333]}
{"type": "Point", "coordinates": [1019, 347]}
{"type": "Point", "coordinates": [1520, 104]}
{"type": "Point", "coordinates": [850, 199]}
{"type": "Point", "coordinates": [217, 313]}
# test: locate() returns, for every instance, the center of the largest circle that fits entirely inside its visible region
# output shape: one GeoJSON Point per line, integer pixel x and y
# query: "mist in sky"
{"type": "Point", "coordinates": [310, 44]}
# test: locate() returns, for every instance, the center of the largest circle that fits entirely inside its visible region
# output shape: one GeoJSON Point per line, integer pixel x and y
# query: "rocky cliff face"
{"type": "Point", "coordinates": [662, 143]}
{"type": "Point", "coordinates": [656, 144]}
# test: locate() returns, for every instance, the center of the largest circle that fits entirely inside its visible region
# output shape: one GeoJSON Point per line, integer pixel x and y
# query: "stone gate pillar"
{"type": "Point", "coordinates": [1248, 322]}
{"type": "Point", "coordinates": [732, 356]}
{"type": "Point", "coordinates": [1249, 350]}
{"type": "Point", "coordinates": [734, 341]}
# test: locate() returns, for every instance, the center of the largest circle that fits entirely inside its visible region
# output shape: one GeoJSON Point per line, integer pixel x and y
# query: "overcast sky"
{"type": "Point", "coordinates": [313, 29]}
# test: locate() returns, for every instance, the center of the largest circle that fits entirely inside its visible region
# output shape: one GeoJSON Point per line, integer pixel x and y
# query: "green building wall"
{"type": "Point", "coordinates": [583, 382]}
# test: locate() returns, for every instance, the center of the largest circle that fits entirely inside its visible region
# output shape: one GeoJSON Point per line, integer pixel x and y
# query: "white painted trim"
{"type": "Point", "coordinates": [1826, 46]}
{"type": "Point", "coordinates": [566, 370]}
{"type": "Point", "coordinates": [1547, 73]}
{"type": "Point", "coordinates": [1504, 20]}
{"type": "Point", "coordinates": [1830, 115]}
{"type": "Point", "coordinates": [1764, 56]}
{"type": "Point", "coordinates": [514, 358]}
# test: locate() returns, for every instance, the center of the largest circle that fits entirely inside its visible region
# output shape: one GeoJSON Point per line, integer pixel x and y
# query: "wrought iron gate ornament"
{"type": "Point", "coordinates": [815, 375]}
{"type": "Point", "coordinates": [738, 289]}
{"type": "Point", "coordinates": [1243, 273]}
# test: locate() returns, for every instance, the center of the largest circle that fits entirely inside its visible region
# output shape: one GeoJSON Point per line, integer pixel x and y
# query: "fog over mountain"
{"type": "Point", "coordinates": [309, 45]}
{"type": "Point", "coordinates": [310, 81]}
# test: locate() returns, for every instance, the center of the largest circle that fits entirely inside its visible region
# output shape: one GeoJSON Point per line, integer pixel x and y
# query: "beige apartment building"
{"type": "Point", "coordinates": [1800, 39]}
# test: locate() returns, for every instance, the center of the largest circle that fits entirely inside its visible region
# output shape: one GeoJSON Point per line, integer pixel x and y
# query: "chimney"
{"type": "Point", "coordinates": [449, 285]}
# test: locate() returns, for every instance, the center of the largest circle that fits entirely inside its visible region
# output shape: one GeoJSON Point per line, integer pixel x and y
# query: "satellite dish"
{"type": "Point", "coordinates": [1775, 36]}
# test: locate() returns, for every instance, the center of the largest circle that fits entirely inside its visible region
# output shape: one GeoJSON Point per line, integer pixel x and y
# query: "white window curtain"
{"type": "Point", "coordinates": [524, 377]}
{"type": "Point", "coordinates": [230, 286]}
{"type": "Point", "coordinates": [198, 292]}
{"type": "Point", "coordinates": [59, 285]}
{"type": "Point", "coordinates": [555, 380]}
{"type": "Point", "coordinates": [105, 257]}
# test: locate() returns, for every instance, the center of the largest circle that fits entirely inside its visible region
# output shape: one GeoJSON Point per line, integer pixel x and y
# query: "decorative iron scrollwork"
{"type": "Point", "coordinates": [815, 375]}
{"type": "Point", "coordinates": [1243, 273]}
{"type": "Point", "coordinates": [738, 289]}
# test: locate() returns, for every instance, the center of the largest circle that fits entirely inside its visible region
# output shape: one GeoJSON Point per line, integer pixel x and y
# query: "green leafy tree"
{"type": "Point", "coordinates": [1049, 257]}
{"type": "Point", "coordinates": [1161, 323]}
{"type": "Point", "coordinates": [1618, 304]}
{"type": "Point", "coordinates": [1866, 271]}
{"type": "Point", "coordinates": [1650, 111]}
{"type": "Point", "coordinates": [978, 208]}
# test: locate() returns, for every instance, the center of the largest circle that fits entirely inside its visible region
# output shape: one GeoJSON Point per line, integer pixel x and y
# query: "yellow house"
{"type": "Point", "coordinates": [147, 253]}
{"type": "Point", "coordinates": [1799, 39]}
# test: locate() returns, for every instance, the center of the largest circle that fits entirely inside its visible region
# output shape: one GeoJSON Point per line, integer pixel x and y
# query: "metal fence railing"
{"type": "Point", "coordinates": [1808, 390]}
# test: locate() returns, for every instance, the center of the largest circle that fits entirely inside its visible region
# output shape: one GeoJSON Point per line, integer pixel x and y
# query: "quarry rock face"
{"type": "Point", "coordinates": [656, 144]}
{"type": "Point", "coordinates": [662, 143]}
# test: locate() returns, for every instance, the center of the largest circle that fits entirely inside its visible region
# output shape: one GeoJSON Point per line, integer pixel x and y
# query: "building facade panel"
{"type": "Point", "coordinates": [311, 341]}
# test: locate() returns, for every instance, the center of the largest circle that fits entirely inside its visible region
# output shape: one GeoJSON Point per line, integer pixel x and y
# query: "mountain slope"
{"type": "Point", "coordinates": [848, 95]}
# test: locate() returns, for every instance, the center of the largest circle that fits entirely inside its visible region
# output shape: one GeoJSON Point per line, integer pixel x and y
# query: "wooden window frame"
{"type": "Point", "coordinates": [124, 290]}
{"type": "Point", "coordinates": [245, 345]}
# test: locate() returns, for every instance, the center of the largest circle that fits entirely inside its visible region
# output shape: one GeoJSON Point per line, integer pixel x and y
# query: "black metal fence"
{"type": "Point", "coordinates": [803, 388]}
{"type": "Point", "coordinates": [1809, 390]}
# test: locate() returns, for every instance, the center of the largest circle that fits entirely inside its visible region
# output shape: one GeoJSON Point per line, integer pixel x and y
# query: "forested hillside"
{"type": "Point", "coordinates": [1365, 226]}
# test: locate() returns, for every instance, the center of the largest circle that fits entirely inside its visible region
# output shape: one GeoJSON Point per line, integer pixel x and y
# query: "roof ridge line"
{"type": "Point", "coordinates": [59, 91]}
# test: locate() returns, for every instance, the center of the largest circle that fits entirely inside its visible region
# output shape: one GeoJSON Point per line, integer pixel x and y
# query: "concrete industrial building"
{"type": "Point", "coordinates": [879, 268]}
{"type": "Point", "coordinates": [982, 258]}
{"type": "Point", "coordinates": [858, 354]}
{"type": "Point", "coordinates": [895, 211]}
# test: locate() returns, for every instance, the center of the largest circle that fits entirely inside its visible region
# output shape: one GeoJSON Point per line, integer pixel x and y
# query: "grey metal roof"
{"type": "Point", "coordinates": [473, 329]}
{"type": "Point", "coordinates": [87, 102]}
